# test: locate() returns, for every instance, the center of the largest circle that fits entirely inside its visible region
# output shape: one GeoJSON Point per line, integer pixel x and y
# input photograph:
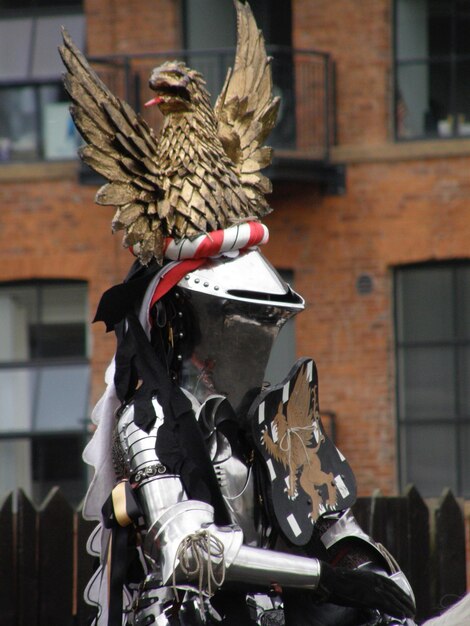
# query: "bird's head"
{"type": "Point", "coordinates": [177, 88]}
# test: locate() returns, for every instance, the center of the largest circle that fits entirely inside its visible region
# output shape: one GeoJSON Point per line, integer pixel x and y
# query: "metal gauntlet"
{"type": "Point", "coordinates": [378, 559]}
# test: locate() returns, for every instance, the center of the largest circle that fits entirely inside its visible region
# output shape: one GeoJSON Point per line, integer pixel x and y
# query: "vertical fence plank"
{"type": "Point", "coordinates": [55, 561]}
{"type": "Point", "coordinates": [7, 564]}
{"type": "Point", "coordinates": [419, 546]}
{"type": "Point", "coordinates": [26, 553]}
{"type": "Point", "coordinates": [84, 566]}
{"type": "Point", "coordinates": [389, 526]}
{"type": "Point", "coordinates": [449, 551]}
{"type": "Point", "coordinates": [362, 513]}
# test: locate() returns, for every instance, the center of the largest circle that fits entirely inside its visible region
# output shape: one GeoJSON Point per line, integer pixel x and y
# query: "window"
{"type": "Point", "coordinates": [34, 118]}
{"type": "Point", "coordinates": [44, 380]}
{"type": "Point", "coordinates": [433, 376]}
{"type": "Point", "coordinates": [432, 48]}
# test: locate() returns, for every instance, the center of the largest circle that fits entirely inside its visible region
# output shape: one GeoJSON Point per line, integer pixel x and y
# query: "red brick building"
{"type": "Point", "coordinates": [371, 216]}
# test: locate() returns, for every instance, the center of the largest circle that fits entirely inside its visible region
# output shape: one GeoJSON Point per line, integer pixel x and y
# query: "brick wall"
{"type": "Point", "coordinates": [358, 36]}
{"type": "Point", "coordinates": [134, 26]}
{"type": "Point", "coordinates": [392, 213]}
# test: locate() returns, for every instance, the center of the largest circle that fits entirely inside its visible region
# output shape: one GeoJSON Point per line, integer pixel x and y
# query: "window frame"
{"type": "Point", "coordinates": [453, 58]}
{"type": "Point", "coordinates": [37, 82]}
{"type": "Point", "coordinates": [459, 418]}
{"type": "Point", "coordinates": [35, 436]}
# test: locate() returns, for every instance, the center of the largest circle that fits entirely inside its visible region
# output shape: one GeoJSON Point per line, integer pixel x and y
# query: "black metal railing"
{"type": "Point", "coordinates": [302, 78]}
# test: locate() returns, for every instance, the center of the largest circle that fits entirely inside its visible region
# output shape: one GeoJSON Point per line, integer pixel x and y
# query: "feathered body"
{"type": "Point", "coordinates": [198, 176]}
{"type": "Point", "coordinates": [203, 171]}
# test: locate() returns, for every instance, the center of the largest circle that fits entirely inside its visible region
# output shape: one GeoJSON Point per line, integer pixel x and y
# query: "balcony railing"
{"type": "Point", "coordinates": [302, 78]}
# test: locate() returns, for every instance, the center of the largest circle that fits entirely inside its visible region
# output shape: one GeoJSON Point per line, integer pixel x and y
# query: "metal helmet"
{"type": "Point", "coordinates": [239, 305]}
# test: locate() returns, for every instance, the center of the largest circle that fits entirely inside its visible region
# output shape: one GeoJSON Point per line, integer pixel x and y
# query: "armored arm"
{"type": "Point", "coordinates": [184, 545]}
{"type": "Point", "coordinates": [175, 523]}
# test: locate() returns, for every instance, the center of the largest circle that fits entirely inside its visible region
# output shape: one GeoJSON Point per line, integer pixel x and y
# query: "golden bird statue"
{"type": "Point", "coordinates": [202, 172]}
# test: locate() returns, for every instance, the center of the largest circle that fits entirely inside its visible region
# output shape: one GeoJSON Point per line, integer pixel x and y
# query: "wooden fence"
{"type": "Point", "coordinates": [44, 566]}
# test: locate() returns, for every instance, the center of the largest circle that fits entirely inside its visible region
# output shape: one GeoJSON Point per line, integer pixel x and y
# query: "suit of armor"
{"type": "Point", "coordinates": [223, 558]}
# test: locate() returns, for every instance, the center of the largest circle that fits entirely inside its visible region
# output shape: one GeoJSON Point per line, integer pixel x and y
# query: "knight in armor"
{"type": "Point", "coordinates": [229, 530]}
{"type": "Point", "coordinates": [220, 497]}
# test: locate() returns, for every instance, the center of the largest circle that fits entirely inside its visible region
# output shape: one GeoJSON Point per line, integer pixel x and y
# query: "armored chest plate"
{"type": "Point", "coordinates": [308, 475]}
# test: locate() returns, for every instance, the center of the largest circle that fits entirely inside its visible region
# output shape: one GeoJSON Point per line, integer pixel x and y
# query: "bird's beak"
{"type": "Point", "coordinates": [153, 101]}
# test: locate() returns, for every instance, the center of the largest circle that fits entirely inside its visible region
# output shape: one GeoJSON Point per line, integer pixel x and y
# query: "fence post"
{"type": "Point", "coordinates": [55, 561]}
{"type": "Point", "coordinates": [419, 547]}
{"type": "Point", "coordinates": [449, 551]}
{"type": "Point", "coordinates": [26, 571]}
{"type": "Point", "coordinates": [84, 566]}
{"type": "Point", "coordinates": [7, 564]}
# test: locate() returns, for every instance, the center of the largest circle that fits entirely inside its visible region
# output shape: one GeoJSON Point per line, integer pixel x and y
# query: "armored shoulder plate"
{"type": "Point", "coordinates": [308, 475]}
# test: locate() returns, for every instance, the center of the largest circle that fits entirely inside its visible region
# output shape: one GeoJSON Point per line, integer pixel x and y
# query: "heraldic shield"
{"type": "Point", "coordinates": [309, 476]}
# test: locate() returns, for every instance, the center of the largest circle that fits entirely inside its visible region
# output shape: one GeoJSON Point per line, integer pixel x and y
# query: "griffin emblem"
{"type": "Point", "coordinates": [295, 431]}
{"type": "Point", "coordinates": [203, 171]}
{"type": "Point", "coordinates": [309, 477]}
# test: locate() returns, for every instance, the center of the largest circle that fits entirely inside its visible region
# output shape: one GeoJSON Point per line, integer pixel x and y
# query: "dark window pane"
{"type": "Point", "coordinates": [57, 3]}
{"type": "Point", "coordinates": [440, 97]}
{"type": "Point", "coordinates": [429, 458]}
{"type": "Point", "coordinates": [465, 456]}
{"type": "Point", "coordinates": [425, 304]}
{"type": "Point", "coordinates": [462, 97]}
{"type": "Point", "coordinates": [462, 26]}
{"type": "Point", "coordinates": [464, 381]}
{"type": "Point", "coordinates": [16, 4]}
{"type": "Point", "coordinates": [463, 286]}
{"type": "Point", "coordinates": [24, 5]}
{"type": "Point", "coordinates": [49, 341]}
{"type": "Point", "coordinates": [427, 383]}
{"type": "Point", "coordinates": [440, 27]}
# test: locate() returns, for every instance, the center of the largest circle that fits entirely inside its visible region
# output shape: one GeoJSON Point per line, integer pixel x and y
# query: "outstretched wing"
{"type": "Point", "coordinates": [246, 109]}
{"type": "Point", "coordinates": [121, 147]}
{"type": "Point", "coordinates": [299, 408]}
